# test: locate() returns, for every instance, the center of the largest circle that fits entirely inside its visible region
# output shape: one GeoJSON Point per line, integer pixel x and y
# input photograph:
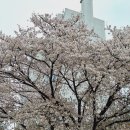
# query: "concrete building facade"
{"type": "Point", "coordinates": [86, 16]}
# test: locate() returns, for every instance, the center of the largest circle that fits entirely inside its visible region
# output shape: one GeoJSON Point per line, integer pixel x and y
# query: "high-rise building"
{"type": "Point", "coordinates": [86, 16]}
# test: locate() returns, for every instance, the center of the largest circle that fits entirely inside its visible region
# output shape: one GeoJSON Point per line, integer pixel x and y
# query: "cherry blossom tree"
{"type": "Point", "coordinates": [59, 75]}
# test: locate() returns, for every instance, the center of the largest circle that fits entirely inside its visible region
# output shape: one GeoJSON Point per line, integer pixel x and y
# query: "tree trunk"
{"type": "Point", "coordinates": [52, 127]}
{"type": "Point", "coordinates": [79, 113]}
{"type": "Point", "coordinates": [94, 126]}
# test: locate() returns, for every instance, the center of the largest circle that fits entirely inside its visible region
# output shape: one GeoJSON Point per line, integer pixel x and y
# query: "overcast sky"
{"type": "Point", "coordinates": [13, 12]}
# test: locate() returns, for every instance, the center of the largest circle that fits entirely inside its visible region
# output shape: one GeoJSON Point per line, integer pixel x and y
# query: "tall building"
{"type": "Point", "coordinates": [86, 16]}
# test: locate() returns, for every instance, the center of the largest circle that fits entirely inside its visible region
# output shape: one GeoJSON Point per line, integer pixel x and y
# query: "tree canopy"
{"type": "Point", "coordinates": [59, 75]}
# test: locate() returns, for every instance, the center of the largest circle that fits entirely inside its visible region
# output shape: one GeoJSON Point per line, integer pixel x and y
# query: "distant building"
{"type": "Point", "coordinates": [86, 16]}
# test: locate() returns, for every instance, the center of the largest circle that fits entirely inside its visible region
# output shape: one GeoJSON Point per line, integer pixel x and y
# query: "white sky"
{"type": "Point", "coordinates": [13, 12]}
